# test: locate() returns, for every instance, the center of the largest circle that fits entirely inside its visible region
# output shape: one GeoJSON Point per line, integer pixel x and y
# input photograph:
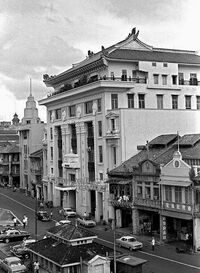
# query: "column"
{"type": "Point", "coordinates": [135, 221]}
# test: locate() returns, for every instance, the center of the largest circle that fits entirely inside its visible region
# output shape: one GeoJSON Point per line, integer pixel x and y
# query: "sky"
{"type": "Point", "coordinates": [47, 37]}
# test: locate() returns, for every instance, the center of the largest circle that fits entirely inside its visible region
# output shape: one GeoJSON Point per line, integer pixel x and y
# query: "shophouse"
{"type": "Point", "coordinates": [9, 165]}
{"type": "Point", "coordinates": [31, 133]}
{"type": "Point", "coordinates": [153, 191]}
{"type": "Point", "coordinates": [99, 110]}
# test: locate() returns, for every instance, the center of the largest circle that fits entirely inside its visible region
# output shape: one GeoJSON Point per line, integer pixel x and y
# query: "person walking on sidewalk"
{"type": "Point", "coordinates": [153, 242]}
{"type": "Point", "coordinates": [24, 222]}
{"type": "Point", "coordinates": [15, 222]}
{"type": "Point", "coordinates": [36, 266]}
{"type": "Point", "coordinates": [51, 215]}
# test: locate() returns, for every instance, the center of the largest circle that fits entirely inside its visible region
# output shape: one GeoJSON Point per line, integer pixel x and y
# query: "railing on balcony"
{"type": "Point", "coordinates": [121, 201]}
{"type": "Point", "coordinates": [142, 80]}
{"type": "Point", "coordinates": [147, 202]}
{"type": "Point", "coordinates": [192, 81]}
{"type": "Point", "coordinates": [177, 206]}
{"type": "Point", "coordinates": [112, 134]}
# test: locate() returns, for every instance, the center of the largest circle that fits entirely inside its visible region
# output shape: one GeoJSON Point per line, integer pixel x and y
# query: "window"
{"type": "Point", "coordinates": [165, 64]}
{"type": "Point", "coordinates": [112, 75]}
{"type": "Point", "coordinates": [193, 79]}
{"type": "Point", "coordinates": [147, 192]}
{"type": "Point", "coordinates": [188, 102]}
{"type": "Point", "coordinates": [100, 154]}
{"type": "Point", "coordinates": [25, 149]}
{"type": "Point", "coordinates": [72, 111]}
{"type": "Point", "coordinates": [155, 78]}
{"type": "Point", "coordinates": [124, 75]}
{"type": "Point", "coordinates": [99, 105]}
{"type": "Point", "coordinates": [101, 176]}
{"type": "Point", "coordinates": [72, 177]}
{"type": "Point", "coordinates": [114, 155]}
{"type": "Point", "coordinates": [164, 79]}
{"type": "Point", "coordinates": [100, 128]}
{"type": "Point", "coordinates": [112, 121]}
{"type": "Point", "coordinates": [58, 114]}
{"type": "Point", "coordinates": [178, 194]}
{"type": "Point", "coordinates": [198, 102]}
{"type": "Point", "coordinates": [114, 101]}
{"type": "Point", "coordinates": [51, 170]}
{"type": "Point", "coordinates": [141, 100]}
{"type": "Point", "coordinates": [181, 78]}
{"type": "Point", "coordinates": [139, 191]}
{"type": "Point", "coordinates": [51, 153]}
{"type": "Point", "coordinates": [88, 107]}
{"type": "Point", "coordinates": [174, 79]}
{"type": "Point", "coordinates": [130, 100]}
{"type": "Point", "coordinates": [153, 64]}
{"type": "Point", "coordinates": [155, 193]}
{"type": "Point", "coordinates": [187, 196]}
{"type": "Point", "coordinates": [160, 101]}
{"type": "Point", "coordinates": [24, 133]}
{"type": "Point", "coordinates": [28, 122]}
{"type": "Point", "coordinates": [51, 133]}
{"type": "Point", "coordinates": [174, 101]}
{"type": "Point", "coordinates": [168, 193]}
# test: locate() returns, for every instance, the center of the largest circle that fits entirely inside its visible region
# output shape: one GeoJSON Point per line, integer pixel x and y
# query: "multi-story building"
{"type": "Point", "coordinates": [31, 133]}
{"type": "Point", "coordinates": [154, 191]}
{"type": "Point", "coordinates": [9, 165]}
{"type": "Point", "coordinates": [100, 109]}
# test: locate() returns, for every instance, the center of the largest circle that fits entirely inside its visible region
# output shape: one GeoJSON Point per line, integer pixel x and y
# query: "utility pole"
{"type": "Point", "coordinates": [114, 239]}
{"type": "Point", "coordinates": [36, 208]}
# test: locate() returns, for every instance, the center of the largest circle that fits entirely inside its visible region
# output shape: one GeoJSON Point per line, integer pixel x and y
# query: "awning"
{"type": "Point", "coordinates": [175, 183]}
{"type": "Point", "coordinates": [66, 188]}
{"type": "Point", "coordinates": [179, 215]}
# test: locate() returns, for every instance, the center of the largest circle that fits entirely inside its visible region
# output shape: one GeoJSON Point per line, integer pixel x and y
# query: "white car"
{"type": "Point", "coordinates": [68, 212]}
{"type": "Point", "coordinates": [62, 222]}
{"type": "Point", "coordinates": [129, 242]}
{"type": "Point", "coordinates": [86, 221]}
{"type": "Point", "coordinates": [12, 264]}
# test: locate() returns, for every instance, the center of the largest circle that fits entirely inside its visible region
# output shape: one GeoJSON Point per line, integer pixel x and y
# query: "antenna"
{"type": "Point", "coordinates": [178, 140]}
{"type": "Point", "coordinates": [30, 87]}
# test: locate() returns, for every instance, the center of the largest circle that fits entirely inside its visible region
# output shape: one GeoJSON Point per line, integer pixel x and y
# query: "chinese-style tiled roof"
{"type": "Point", "coordinates": [37, 153]}
{"type": "Point", "coordinates": [189, 140]}
{"type": "Point", "coordinates": [63, 254]}
{"type": "Point", "coordinates": [161, 155]}
{"type": "Point", "coordinates": [154, 56]}
{"type": "Point", "coordinates": [163, 140]}
{"type": "Point", "coordinates": [70, 232]}
{"type": "Point", "coordinates": [9, 148]}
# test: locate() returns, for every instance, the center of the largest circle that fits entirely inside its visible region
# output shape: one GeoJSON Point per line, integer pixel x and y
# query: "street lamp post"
{"type": "Point", "coordinates": [36, 208]}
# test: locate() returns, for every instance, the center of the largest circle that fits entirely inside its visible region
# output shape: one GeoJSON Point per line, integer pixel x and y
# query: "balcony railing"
{"type": "Point", "coordinates": [192, 81]}
{"type": "Point", "coordinates": [147, 202]}
{"type": "Point", "coordinates": [112, 134]}
{"type": "Point", "coordinates": [177, 206]}
{"type": "Point", "coordinates": [121, 201]}
{"type": "Point", "coordinates": [142, 80]}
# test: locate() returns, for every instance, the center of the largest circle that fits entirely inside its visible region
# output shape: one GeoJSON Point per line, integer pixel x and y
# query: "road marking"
{"type": "Point", "coordinates": [17, 202]}
{"type": "Point", "coordinates": [159, 257]}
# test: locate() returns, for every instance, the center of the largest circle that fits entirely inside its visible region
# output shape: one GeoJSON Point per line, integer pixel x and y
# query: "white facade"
{"type": "Point", "coordinates": [136, 92]}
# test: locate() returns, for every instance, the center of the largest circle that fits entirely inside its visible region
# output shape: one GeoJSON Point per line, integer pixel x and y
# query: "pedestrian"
{"type": "Point", "coordinates": [24, 222]}
{"type": "Point", "coordinates": [36, 266]}
{"type": "Point", "coordinates": [51, 214]}
{"type": "Point", "coordinates": [15, 222]}
{"type": "Point", "coordinates": [153, 241]}
{"type": "Point", "coordinates": [85, 214]}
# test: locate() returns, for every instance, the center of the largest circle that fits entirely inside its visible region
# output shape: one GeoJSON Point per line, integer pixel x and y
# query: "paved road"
{"type": "Point", "coordinates": [163, 260]}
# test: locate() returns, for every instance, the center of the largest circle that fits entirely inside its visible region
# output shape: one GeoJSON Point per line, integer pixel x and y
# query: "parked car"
{"type": "Point", "coordinates": [129, 242]}
{"type": "Point", "coordinates": [62, 222]}
{"type": "Point", "coordinates": [68, 212]}
{"type": "Point", "coordinates": [86, 221]}
{"type": "Point", "coordinates": [12, 234]}
{"type": "Point", "coordinates": [21, 250]}
{"type": "Point", "coordinates": [12, 264]}
{"type": "Point", "coordinates": [43, 215]}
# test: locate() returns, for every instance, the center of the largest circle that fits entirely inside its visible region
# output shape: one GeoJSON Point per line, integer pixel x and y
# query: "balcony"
{"type": "Point", "coordinates": [192, 81]}
{"type": "Point", "coordinates": [136, 80]}
{"type": "Point", "coordinates": [121, 202]}
{"type": "Point", "coordinates": [147, 202]}
{"type": "Point", "coordinates": [187, 208]}
{"type": "Point", "coordinates": [63, 184]}
{"type": "Point", "coordinates": [112, 134]}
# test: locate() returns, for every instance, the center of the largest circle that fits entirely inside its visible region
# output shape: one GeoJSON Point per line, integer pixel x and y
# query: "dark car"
{"type": "Point", "coordinates": [43, 215]}
{"type": "Point", "coordinates": [12, 234]}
